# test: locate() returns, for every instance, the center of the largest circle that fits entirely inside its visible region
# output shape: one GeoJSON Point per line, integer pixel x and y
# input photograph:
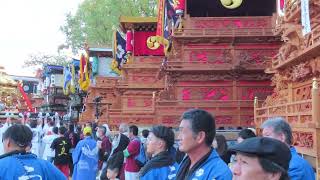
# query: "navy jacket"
{"type": "Point", "coordinates": [299, 168]}
{"type": "Point", "coordinates": [160, 167]}
{"type": "Point", "coordinates": [210, 167]}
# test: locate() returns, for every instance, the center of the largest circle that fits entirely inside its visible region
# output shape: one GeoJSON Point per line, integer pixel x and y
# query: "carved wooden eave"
{"type": "Point", "coordinates": [131, 22]}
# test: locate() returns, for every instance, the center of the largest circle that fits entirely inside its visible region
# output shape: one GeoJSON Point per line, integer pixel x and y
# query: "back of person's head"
{"type": "Point", "coordinates": [145, 133]}
{"type": "Point", "coordinates": [103, 129]}
{"type": "Point", "coordinates": [201, 120]}
{"type": "Point", "coordinates": [222, 146]}
{"type": "Point", "coordinates": [78, 129]}
{"type": "Point", "coordinates": [20, 135]}
{"type": "Point", "coordinates": [51, 123]}
{"type": "Point", "coordinates": [55, 130]}
{"type": "Point", "coordinates": [87, 131]}
{"type": "Point", "coordinates": [71, 127]}
{"type": "Point", "coordinates": [62, 130]}
{"type": "Point", "coordinates": [33, 124]}
{"type": "Point", "coordinates": [279, 126]}
{"type": "Point", "coordinates": [164, 133]}
{"type": "Point", "coordinates": [134, 130]}
{"type": "Point", "coordinates": [246, 133]}
{"type": "Point", "coordinates": [48, 119]}
{"type": "Point", "coordinates": [123, 128]}
{"type": "Point", "coordinates": [114, 165]}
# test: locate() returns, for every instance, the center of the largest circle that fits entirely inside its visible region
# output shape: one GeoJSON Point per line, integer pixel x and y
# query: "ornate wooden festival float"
{"type": "Point", "coordinates": [130, 96]}
{"type": "Point", "coordinates": [214, 59]}
{"type": "Point", "coordinates": [296, 70]}
{"type": "Point", "coordinates": [217, 61]}
{"type": "Point", "coordinates": [13, 98]}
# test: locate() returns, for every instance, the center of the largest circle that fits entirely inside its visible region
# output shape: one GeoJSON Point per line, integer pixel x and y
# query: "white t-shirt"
{"type": "Point", "coordinates": [48, 139]}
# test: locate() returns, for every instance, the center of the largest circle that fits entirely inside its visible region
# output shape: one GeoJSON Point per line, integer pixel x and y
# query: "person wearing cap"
{"type": "Point", "coordinates": [278, 128]}
{"type": "Point", "coordinates": [196, 133]}
{"type": "Point", "coordinates": [162, 164]}
{"type": "Point", "coordinates": [18, 164]}
{"type": "Point", "coordinates": [245, 134]}
{"type": "Point", "coordinates": [85, 157]}
{"type": "Point", "coordinates": [119, 144]}
{"type": "Point", "coordinates": [261, 158]}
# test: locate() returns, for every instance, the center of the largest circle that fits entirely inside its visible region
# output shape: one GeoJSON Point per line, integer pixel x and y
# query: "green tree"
{"type": "Point", "coordinates": [95, 20]}
{"type": "Point", "coordinates": [42, 59]}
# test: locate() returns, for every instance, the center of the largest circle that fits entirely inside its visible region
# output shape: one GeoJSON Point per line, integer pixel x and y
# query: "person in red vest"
{"type": "Point", "coordinates": [131, 167]}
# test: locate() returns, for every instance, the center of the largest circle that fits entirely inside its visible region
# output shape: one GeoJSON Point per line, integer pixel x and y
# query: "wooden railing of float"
{"type": "Point", "coordinates": [230, 32]}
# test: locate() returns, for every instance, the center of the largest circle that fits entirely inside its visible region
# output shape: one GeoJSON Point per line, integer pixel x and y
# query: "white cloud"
{"type": "Point", "coordinates": [29, 27]}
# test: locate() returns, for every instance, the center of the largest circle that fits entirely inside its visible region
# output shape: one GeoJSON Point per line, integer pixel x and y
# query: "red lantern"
{"type": "Point", "coordinates": [129, 46]}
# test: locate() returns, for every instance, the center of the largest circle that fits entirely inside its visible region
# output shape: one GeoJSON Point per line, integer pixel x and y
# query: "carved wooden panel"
{"type": "Point", "coordinates": [170, 121]}
{"type": "Point", "coordinates": [302, 93]}
{"type": "Point", "coordinates": [249, 93]}
{"type": "Point", "coordinates": [133, 119]}
{"type": "Point", "coordinates": [247, 121]}
{"type": "Point", "coordinates": [205, 93]}
{"type": "Point", "coordinates": [255, 57]}
{"type": "Point", "coordinates": [141, 78]}
{"type": "Point", "coordinates": [210, 56]}
{"type": "Point", "coordinates": [137, 103]}
{"type": "Point", "coordinates": [305, 140]}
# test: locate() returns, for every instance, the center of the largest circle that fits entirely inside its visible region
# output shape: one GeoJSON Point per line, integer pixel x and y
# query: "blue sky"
{"type": "Point", "coordinates": [29, 27]}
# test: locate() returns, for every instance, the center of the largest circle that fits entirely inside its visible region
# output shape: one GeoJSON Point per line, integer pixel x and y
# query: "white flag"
{"type": "Point", "coordinates": [305, 17]}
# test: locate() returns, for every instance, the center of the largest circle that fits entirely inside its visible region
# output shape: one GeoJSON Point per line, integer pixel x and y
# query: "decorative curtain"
{"type": "Point", "coordinates": [140, 44]}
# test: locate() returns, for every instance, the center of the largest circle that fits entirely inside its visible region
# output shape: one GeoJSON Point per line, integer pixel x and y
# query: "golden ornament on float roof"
{"type": "Point", "coordinates": [231, 4]}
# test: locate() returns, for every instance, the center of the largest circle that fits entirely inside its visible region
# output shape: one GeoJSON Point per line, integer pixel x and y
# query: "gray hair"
{"type": "Point", "coordinates": [123, 128]}
{"type": "Point", "coordinates": [279, 125]}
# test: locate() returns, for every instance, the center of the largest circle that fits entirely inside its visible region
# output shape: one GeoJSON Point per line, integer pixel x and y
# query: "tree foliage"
{"type": "Point", "coordinates": [42, 59]}
{"type": "Point", "coordinates": [95, 20]}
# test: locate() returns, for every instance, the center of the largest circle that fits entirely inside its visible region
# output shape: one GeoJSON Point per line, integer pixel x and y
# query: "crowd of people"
{"type": "Point", "coordinates": [46, 149]}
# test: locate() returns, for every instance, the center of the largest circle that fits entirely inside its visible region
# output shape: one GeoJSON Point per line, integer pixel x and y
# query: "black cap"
{"type": "Point", "coordinates": [271, 149]}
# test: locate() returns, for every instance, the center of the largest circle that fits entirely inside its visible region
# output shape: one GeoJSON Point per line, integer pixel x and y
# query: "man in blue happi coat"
{"type": "Point", "coordinates": [17, 163]}
{"type": "Point", "coordinates": [85, 157]}
{"type": "Point", "coordinates": [278, 128]}
{"type": "Point", "coordinates": [196, 133]}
